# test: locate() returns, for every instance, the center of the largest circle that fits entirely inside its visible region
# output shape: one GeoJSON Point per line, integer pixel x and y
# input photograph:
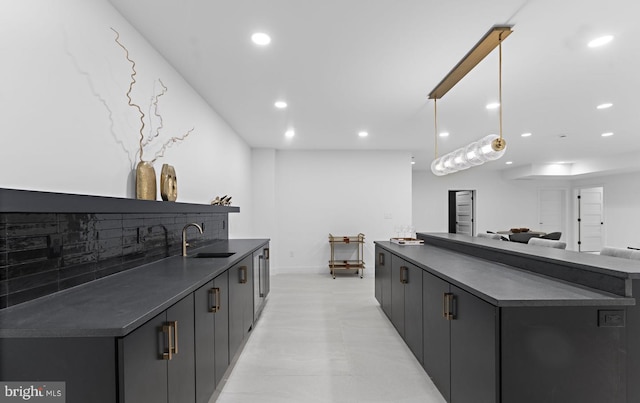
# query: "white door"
{"type": "Point", "coordinates": [590, 219]}
{"type": "Point", "coordinates": [551, 211]}
{"type": "Point", "coordinates": [464, 212]}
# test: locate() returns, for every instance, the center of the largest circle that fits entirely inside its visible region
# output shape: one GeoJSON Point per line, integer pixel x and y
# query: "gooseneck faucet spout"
{"type": "Point", "coordinates": [184, 236]}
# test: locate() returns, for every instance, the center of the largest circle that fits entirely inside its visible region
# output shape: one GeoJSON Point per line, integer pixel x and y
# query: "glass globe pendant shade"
{"type": "Point", "coordinates": [492, 147]}
{"type": "Point", "coordinates": [437, 167]}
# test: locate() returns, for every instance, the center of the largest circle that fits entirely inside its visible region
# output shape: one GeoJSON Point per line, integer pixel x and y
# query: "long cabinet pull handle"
{"type": "Point", "coordinates": [243, 274]}
{"type": "Point", "coordinates": [448, 305]}
{"type": "Point", "coordinates": [404, 279]}
{"type": "Point", "coordinates": [445, 308]}
{"type": "Point", "coordinates": [175, 336]}
{"type": "Point", "coordinates": [381, 259]}
{"type": "Point", "coordinates": [260, 275]}
{"type": "Point", "coordinates": [216, 300]}
{"type": "Point", "coordinates": [168, 329]}
{"type": "Point", "coordinates": [452, 315]}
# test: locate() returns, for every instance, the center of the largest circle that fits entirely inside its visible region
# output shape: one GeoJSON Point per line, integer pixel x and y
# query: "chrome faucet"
{"type": "Point", "coordinates": [184, 236]}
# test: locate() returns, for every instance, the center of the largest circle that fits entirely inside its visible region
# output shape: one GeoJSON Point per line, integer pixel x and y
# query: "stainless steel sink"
{"type": "Point", "coordinates": [213, 255]}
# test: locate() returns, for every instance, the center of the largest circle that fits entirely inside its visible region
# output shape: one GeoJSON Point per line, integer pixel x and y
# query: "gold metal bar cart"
{"type": "Point", "coordinates": [354, 262]}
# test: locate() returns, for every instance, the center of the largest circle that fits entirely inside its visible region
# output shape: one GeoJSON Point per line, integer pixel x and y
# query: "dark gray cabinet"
{"type": "Point", "coordinates": [261, 280]}
{"type": "Point", "coordinates": [474, 355]}
{"type": "Point", "coordinates": [240, 303]}
{"type": "Point", "coordinates": [221, 327]}
{"type": "Point", "coordinates": [157, 361]}
{"type": "Point", "coordinates": [412, 281]}
{"type": "Point", "coordinates": [573, 354]}
{"type": "Point", "coordinates": [87, 365]}
{"type": "Point", "coordinates": [436, 333]}
{"type": "Point", "coordinates": [460, 342]}
{"type": "Point", "coordinates": [211, 315]}
{"type": "Point", "coordinates": [383, 280]}
{"type": "Point", "coordinates": [406, 303]}
{"type": "Point", "coordinates": [398, 268]}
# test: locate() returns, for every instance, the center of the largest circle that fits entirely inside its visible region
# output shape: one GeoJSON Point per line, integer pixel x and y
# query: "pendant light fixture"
{"type": "Point", "coordinates": [488, 148]}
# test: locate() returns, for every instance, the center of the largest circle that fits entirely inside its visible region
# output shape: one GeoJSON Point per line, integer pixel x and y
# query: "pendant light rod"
{"type": "Point", "coordinates": [435, 125]}
{"type": "Point", "coordinates": [489, 41]}
{"type": "Point", "coordinates": [500, 81]}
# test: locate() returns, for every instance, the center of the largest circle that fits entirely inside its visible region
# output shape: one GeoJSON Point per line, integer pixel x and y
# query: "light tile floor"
{"type": "Point", "coordinates": [325, 340]}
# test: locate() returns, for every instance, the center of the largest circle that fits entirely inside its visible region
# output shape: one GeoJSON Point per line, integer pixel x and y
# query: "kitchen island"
{"type": "Point", "coordinates": [494, 321]}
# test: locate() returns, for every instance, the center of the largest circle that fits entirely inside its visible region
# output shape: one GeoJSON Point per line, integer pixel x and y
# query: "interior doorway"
{"type": "Point", "coordinates": [590, 221]}
{"type": "Point", "coordinates": [462, 212]}
{"type": "Point", "coordinates": [552, 204]}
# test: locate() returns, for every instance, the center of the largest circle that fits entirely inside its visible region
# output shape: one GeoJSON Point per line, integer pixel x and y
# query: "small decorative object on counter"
{"type": "Point", "coordinates": [168, 183]}
{"type": "Point", "coordinates": [407, 241]}
{"type": "Point", "coordinates": [221, 201]}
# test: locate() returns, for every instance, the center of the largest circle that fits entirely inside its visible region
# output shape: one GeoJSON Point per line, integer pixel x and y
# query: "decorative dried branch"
{"type": "Point", "coordinates": [133, 81]}
{"type": "Point", "coordinates": [169, 143]}
{"type": "Point", "coordinates": [154, 102]}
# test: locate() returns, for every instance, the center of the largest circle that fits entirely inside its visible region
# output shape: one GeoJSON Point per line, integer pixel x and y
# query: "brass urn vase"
{"type": "Point", "coordinates": [145, 181]}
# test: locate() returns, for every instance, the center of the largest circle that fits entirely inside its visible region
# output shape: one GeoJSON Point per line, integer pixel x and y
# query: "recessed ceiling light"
{"type": "Point", "coordinates": [509, 162]}
{"type": "Point", "coordinates": [290, 133]}
{"type": "Point", "coordinates": [493, 105]}
{"type": "Point", "coordinates": [608, 134]}
{"type": "Point", "coordinates": [413, 162]}
{"type": "Point", "coordinates": [444, 134]}
{"type": "Point", "coordinates": [526, 135]}
{"type": "Point", "coordinates": [604, 106]}
{"type": "Point", "coordinates": [603, 40]}
{"type": "Point", "coordinates": [363, 134]}
{"type": "Point", "coordinates": [260, 38]}
{"type": "Point", "coordinates": [280, 104]}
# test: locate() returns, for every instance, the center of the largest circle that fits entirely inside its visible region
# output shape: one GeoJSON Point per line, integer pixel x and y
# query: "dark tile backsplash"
{"type": "Point", "coordinates": [42, 253]}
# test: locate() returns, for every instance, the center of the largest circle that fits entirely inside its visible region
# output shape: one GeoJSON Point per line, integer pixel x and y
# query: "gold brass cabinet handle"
{"type": "Point", "coordinates": [405, 279]}
{"type": "Point", "coordinates": [243, 274]}
{"type": "Point", "coordinates": [445, 309]}
{"type": "Point", "coordinates": [175, 336]}
{"type": "Point", "coordinates": [168, 329]}
{"type": "Point", "coordinates": [447, 306]}
{"type": "Point", "coordinates": [216, 300]}
{"type": "Point", "coordinates": [260, 265]}
{"type": "Point", "coordinates": [381, 259]}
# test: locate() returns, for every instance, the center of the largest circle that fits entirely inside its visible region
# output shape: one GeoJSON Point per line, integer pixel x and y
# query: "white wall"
{"type": "Point", "coordinates": [338, 192]}
{"type": "Point", "coordinates": [500, 203]}
{"type": "Point", "coordinates": [66, 126]}
{"type": "Point", "coordinates": [621, 207]}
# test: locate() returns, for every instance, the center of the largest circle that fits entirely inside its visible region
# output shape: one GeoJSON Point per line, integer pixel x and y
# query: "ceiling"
{"type": "Point", "coordinates": [344, 66]}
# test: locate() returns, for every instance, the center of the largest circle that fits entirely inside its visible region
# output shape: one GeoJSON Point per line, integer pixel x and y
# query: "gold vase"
{"type": "Point", "coordinates": [168, 183]}
{"type": "Point", "coordinates": [145, 181]}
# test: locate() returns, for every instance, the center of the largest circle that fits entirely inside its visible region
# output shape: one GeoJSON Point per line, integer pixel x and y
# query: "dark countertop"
{"type": "Point", "coordinates": [116, 305]}
{"type": "Point", "coordinates": [499, 284]}
{"type": "Point", "coordinates": [623, 268]}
